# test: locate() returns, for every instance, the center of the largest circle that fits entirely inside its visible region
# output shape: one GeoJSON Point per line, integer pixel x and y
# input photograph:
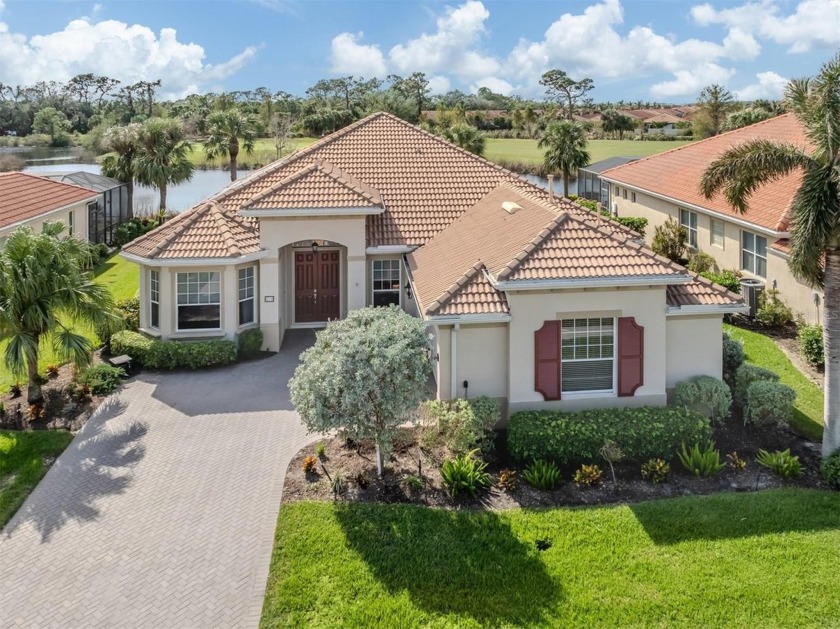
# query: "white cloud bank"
{"type": "Point", "coordinates": [768, 85]}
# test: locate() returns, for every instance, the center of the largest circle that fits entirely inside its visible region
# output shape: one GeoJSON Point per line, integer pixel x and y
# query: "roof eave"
{"type": "Point", "coordinates": [469, 318]}
{"type": "Point", "coordinates": [313, 211]}
{"type": "Point", "coordinates": [212, 261]}
{"type": "Point", "coordinates": [604, 282]}
{"type": "Point", "coordinates": [699, 309]}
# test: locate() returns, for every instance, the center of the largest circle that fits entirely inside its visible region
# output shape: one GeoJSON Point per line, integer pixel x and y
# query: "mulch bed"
{"type": "Point", "coordinates": [356, 464]}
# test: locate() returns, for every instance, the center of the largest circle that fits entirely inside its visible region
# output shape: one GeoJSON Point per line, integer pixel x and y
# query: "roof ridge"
{"type": "Point", "coordinates": [453, 290]}
{"type": "Point", "coordinates": [529, 248]}
{"type": "Point", "coordinates": [189, 217]}
{"type": "Point", "coordinates": [219, 218]}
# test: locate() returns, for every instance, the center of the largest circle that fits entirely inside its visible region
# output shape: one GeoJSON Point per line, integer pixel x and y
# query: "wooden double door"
{"type": "Point", "coordinates": [317, 286]}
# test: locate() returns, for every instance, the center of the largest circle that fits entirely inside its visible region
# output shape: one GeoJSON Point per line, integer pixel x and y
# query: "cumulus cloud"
{"type": "Point", "coordinates": [348, 56]}
{"type": "Point", "coordinates": [768, 85]}
{"type": "Point", "coordinates": [494, 84]}
{"type": "Point", "coordinates": [128, 52]}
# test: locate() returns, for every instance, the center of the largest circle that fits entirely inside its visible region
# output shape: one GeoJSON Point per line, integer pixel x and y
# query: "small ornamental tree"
{"type": "Point", "coordinates": [365, 375]}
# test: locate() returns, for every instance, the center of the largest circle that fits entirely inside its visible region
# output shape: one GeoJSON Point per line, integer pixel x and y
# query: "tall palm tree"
{"type": "Point", "coordinates": [227, 129]}
{"type": "Point", "coordinates": [43, 287]}
{"type": "Point", "coordinates": [565, 149]}
{"type": "Point", "coordinates": [124, 142]}
{"type": "Point", "coordinates": [815, 211]}
{"type": "Point", "coordinates": [466, 136]}
{"type": "Point", "coordinates": [162, 158]}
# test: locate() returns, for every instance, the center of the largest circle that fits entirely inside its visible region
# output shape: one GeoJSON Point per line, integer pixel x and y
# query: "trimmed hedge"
{"type": "Point", "coordinates": [706, 395]}
{"type": "Point", "coordinates": [642, 433]}
{"type": "Point", "coordinates": [157, 354]}
{"type": "Point", "coordinates": [745, 376]}
{"type": "Point", "coordinates": [250, 342]}
{"type": "Point", "coordinates": [811, 344]}
{"type": "Point", "coordinates": [769, 404]}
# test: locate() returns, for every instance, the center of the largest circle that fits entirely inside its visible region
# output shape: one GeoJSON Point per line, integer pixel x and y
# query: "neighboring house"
{"type": "Point", "coordinates": [528, 298]}
{"type": "Point", "coordinates": [112, 209]}
{"type": "Point", "coordinates": [756, 243]}
{"type": "Point", "coordinates": [30, 200]}
{"type": "Point", "coordinates": [589, 183]}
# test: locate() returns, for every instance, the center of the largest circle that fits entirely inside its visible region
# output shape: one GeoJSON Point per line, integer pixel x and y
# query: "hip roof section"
{"type": "Point", "coordinates": [25, 197]}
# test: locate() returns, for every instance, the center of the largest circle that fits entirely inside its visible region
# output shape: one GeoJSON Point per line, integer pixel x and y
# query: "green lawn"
{"type": "Point", "coordinates": [122, 279]}
{"type": "Point", "coordinates": [729, 560]}
{"type": "Point", "coordinates": [264, 152]}
{"type": "Point", "coordinates": [762, 351]}
{"type": "Point", "coordinates": [527, 150]}
{"type": "Point", "coordinates": [22, 464]}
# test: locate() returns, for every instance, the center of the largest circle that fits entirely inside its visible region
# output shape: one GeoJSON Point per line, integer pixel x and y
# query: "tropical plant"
{"type": "Point", "coordinates": [830, 469]}
{"type": "Point", "coordinates": [466, 136]}
{"type": "Point", "coordinates": [464, 473]}
{"type": "Point", "coordinates": [337, 484]}
{"type": "Point", "coordinates": [507, 480]}
{"type": "Point", "coordinates": [102, 379]}
{"type": "Point", "coordinates": [735, 461]}
{"type": "Point", "coordinates": [542, 474]}
{"type": "Point", "coordinates": [565, 149]}
{"type": "Point", "coordinates": [120, 163]}
{"type": "Point", "coordinates": [781, 462]}
{"type": "Point", "coordinates": [414, 482]}
{"type": "Point", "coordinates": [587, 476]}
{"type": "Point", "coordinates": [815, 230]}
{"type": "Point", "coordinates": [745, 117]}
{"type": "Point", "coordinates": [656, 471]}
{"type": "Point", "coordinates": [309, 464]}
{"type": "Point", "coordinates": [670, 240]}
{"type": "Point", "coordinates": [228, 131]}
{"type": "Point", "coordinates": [699, 461]}
{"type": "Point", "coordinates": [714, 104]}
{"type": "Point", "coordinates": [811, 344]}
{"type": "Point", "coordinates": [612, 454]}
{"type": "Point", "coordinates": [162, 158]}
{"type": "Point", "coordinates": [43, 288]}
{"type": "Point", "coordinates": [772, 310]}
{"type": "Point", "coordinates": [320, 450]}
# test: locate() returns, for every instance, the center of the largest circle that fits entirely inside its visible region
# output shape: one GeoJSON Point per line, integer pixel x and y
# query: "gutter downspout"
{"type": "Point", "coordinates": [453, 361]}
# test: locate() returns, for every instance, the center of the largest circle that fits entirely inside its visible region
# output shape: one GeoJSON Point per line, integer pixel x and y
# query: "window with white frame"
{"type": "Point", "coordinates": [689, 221]}
{"type": "Point", "coordinates": [154, 299]}
{"type": "Point", "coordinates": [624, 193]}
{"type": "Point", "coordinates": [754, 254]}
{"type": "Point", "coordinates": [199, 301]}
{"type": "Point", "coordinates": [70, 226]}
{"type": "Point", "coordinates": [633, 197]}
{"type": "Point", "coordinates": [246, 296]}
{"type": "Point", "coordinates": [588, 354]}
{"type": "Point", "coordinates": [386, 282]}
{"type": "Point", "coordinates": [718, 233]}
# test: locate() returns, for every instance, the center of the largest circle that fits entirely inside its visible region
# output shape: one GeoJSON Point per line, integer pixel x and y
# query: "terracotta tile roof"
{"type": "Point", "coordinates": [676, 173]}
{"type": "Point", "coordinates": [472, 293]}
{"type": "Point", "coordinates": [24, 197]}
{"type": "Point", "coordinates": [782, 245]}
{"type": "Point", "coordinates": [701, 292]}
{"type": "Point", "coordinates": [206, 231]}
{"type": "Point", "coordinates": [318, 185]}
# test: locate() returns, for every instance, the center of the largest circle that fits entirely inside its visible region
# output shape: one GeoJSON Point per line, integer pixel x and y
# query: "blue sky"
{"type": "Point", "coordinates": [633, 49]}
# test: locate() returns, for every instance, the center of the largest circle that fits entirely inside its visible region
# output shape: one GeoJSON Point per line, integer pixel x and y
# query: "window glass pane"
{"type": "Point", "coordinates": [761, 246]}
{"type": "Point", "coordinates": [386, 298]}
{"type": "Point", "coordinates": [246, 311]}
{"type": "Point", "coordinates": [386, 282]}
{"type": "Point", "coordinates": [198, 317]}
{"type": "Point", "coordinates": [747, 261]}
{"type": "Point", "coordinates": [155, 315]}
{"type": "Point", "coordinates": [587, 354]}
{"type": "Point", "coordinates": [593, 375]}
{"type": "Point", "coordinates": [761, 267]}
{"type": "Point", "coordinates": [747, 241]}
{"type": "Point", "coordinates": [718, 233]}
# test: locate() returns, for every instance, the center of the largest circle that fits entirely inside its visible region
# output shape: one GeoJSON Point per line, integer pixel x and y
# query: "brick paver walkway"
{"type": "Point", "coordinates": [161, 513]}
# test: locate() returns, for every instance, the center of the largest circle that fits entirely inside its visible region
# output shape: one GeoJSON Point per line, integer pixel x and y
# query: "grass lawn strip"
{"type": "Point", "coordinates": [754, 559]}
{"type": "Point", "coordinates": [761, 350]}
{"type": "Point", "coordinates": [515, 150]}
{"type": "Point", "coordinates": [22, 464]}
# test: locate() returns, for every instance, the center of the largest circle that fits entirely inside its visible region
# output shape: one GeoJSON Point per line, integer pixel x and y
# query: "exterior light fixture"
{"type": "Point", "coordinates": [314, 246]}
{"type": "Point", "coordinates": [408, 290]}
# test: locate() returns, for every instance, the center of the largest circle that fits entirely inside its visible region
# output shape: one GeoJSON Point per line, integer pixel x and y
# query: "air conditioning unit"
{"type": "Point", "coordinates": [751, 289]}
{"type": "Point", "coordinates": [614, 210]}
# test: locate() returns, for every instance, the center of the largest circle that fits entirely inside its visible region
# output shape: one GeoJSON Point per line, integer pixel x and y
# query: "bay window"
{"type": "Point", "coordinates": [246, 295]}
{"type": "Point", "coordinates": [199, 301]}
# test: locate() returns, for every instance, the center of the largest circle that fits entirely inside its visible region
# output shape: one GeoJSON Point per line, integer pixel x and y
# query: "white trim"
{"type": "Point", "coordinates": [399, 290]}
{"type": "Point", "coordinates": [389, 249]}
{"type": "Point", "coordinates": [468, 318]}
{"type": "Point", "coordinates": [26, 221]}
{"type": "Point", "coordinates": [199, 334]}
{"type": "Point", "coordinates": [308, 326]}
{"type": "Point", "coordinates": [219, 304]}
{"type": "Point", "coordinates": [676, 311]}
{"type": "Point", "coordinates": [698, 208]}
{"type": "Point", "coordinates": [453, 361]}
{"type": "Point", "coordinates": [313, 211]}
{"type": "Point", "coordinates": [252, 298]}
{"type": "Point", "coordinates": [158, 262]}
{"type": "Point", "coordinates": [151, 332]}
{"type": "Point", "coordinates": [605, 282]}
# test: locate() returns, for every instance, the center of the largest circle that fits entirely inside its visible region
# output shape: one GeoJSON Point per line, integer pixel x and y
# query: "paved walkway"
{"type": "Point", "coordinates": [161, 513]}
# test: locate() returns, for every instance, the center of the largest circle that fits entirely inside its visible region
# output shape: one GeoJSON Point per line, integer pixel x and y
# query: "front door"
{"type": "Point", "coordinates": [317, 281]}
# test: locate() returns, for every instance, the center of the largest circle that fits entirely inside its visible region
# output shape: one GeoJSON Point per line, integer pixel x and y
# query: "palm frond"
{"type": "Point", "coordinates": [815, 219]}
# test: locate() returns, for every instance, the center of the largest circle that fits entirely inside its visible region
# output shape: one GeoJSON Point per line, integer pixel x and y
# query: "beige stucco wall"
{"type": "Point", "coordinates": [481, 359]}
{"type": "Point", "coordinates": [80, 220]}
{"type": "Point", "coordinates": [694, 347]}
{"type": "Point", "coordinates": [797, 295]}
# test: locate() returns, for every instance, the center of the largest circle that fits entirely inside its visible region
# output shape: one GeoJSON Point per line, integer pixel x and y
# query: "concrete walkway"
{"type": "Point", "coordinates": [161, 513]}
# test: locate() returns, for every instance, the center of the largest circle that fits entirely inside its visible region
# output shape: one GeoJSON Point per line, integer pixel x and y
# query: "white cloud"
{"type": "Point", "coordinates": [439, 84]}
{"type": "Point", "coordinates": [691, 82]}
{"type": "Point", "coordinates": [348, 56]}
{"type": "Point", "coordinates": [494, 84]}
{"type": "Point", "coordinates": [126, 52]}
{"type": "Point", "coordinates": [769, 85]}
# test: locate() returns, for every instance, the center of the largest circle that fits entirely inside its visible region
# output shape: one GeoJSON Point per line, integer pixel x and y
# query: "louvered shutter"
{"type": "Point", "coordinates": [631, 350]}
{"type": "Point", "coordinates": [547, 360]}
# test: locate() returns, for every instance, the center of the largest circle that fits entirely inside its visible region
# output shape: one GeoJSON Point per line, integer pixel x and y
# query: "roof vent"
{"type": "Point", "coordinates": [511, 207]}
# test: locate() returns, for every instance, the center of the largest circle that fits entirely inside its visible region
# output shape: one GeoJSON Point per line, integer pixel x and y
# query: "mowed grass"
{"type": "Point", "coordinates": [122, 279]}
{"type": "Point", "coordinates": [22, 464]}
{"type": "Point", "coordinates": [264, 152]}
{"type": "Point", "coordinates": [728, 560]}
{"type": "Point", "coordinates": [513, 150]}
{"type": "Point", "coordinates": [763, 351]}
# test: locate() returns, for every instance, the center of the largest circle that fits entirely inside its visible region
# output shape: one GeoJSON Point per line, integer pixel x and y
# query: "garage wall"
{"type": "Point", "coordinates": [695, 347]}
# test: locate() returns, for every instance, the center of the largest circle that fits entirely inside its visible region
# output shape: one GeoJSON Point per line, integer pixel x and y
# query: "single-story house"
{"type": "Point", "coordinates": [589, 183]}
{"type": "Point", "coordinates": [30, 200]}
{"type": "Point", "coordinates": [112, 209]}
{"type": "Point", "coordinates": [756, 243]}
{"type": "Point", "coordinates": [528, 297]}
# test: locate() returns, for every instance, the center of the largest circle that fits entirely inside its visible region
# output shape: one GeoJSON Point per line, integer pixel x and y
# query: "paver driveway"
{"type": "Point", "coordinates": [161, 512]}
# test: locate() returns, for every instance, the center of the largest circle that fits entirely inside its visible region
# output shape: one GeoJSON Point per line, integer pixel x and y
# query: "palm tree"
{"type": "Point", "coordinates": [42, 287]}
{"type": "Point", "coordinates": [815, 210]}
{"type": "Point", "coordinates": [227, 128]}
{"type": "Point", "coordinates": [124, 143]}
{"type": "Point", "coordinates": [565, 149]}
{"type": "Point", "coordinates": [466, 136]}
{"type": "Point", "coordinates": [162, 157]}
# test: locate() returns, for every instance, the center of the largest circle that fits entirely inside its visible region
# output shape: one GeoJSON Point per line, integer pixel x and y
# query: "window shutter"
{"type": "Point", "coordinates": [547, 360]}
{"type": "Point", "coordinates": [631, 351]}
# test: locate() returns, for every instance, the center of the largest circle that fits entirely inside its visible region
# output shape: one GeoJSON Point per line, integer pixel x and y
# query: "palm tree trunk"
{"type": "Point", "coordinates": [566, 184]}
{"type": "Point", "coordinates": [162, 209]}
{"type": "Point", "coordinates": [831, 339]}
{"type": "Point", "coordinates": [34, 395]}
{"type": "Point", "coordinates": [129, 189]}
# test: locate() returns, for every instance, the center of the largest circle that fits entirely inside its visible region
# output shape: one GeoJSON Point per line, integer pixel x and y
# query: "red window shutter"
{"type": "Point", "coordinates": [547, 370]}
{"type": "Point", "coordinates": [631, 355]}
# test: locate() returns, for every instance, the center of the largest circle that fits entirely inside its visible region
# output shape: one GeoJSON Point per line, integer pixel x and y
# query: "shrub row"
{"type": "Point", "coordinates": [157, 354]}
{"type": "Point", "coordinates": [642, 433]}
{"type": "Point", "coordinates": [636, 223]}
{"type": "Point", "coordinates": [811, 344]}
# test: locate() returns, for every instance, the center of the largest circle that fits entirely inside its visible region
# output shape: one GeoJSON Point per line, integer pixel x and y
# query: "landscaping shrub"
{"type": "Point", "coordinates": [830, 469]}
{"type": "Point", "coordinates": [587, 476]}
{"type": "Point", "coordinates": [542, 475]}
{"type": "Point", "coordinates": [636, 223]}
{"type": "Point", "coordinates": [464, 473]}
{"type": "Point", "coordinates": [310, 463]}
{"type": "Point", "coordinates": [612, 453]}
{"type": "Point", "coordinates": [131, 343]}
{"type": "Point", "coordinates": [575, 437]}
{"type": "Point", "coordinates": [670, 240]}
{"type": "Point", "coordinates": [769, 404]}
{"type": "Point", "coordinates": [132, 229]}
{"type": "Point", "coordinates": [507, 480]}
{"type": "Point", "coordinates": [250, 343]}
{"type": "Point", "coordinates": [656, 470]}
{"type": "Point", "coordinates": [706, 395]}
{"type": "Point", "coordinates": [772, 311]}
{"type": "Point", "coordinates": [699, 461]}
{"type": "Point", "coordinates": [733, 358]}
{"type": "Point", "coordinates": [727, 278]}
{"type": "Point", "coordinates": [164, 355]}
{"type": "Point", "coordinates": [700, 262]}
{"type": "Point", "coordinates": [102, 379]}
{"type": "Point", "coordinates": [745, 376]}
{"type": "Point", "coordinates": [781, 462]}
{"type": "Point", "coordinates": [462, 424]}
{"type": "Point", "coordinates": [811, 344]}
{"type": "Point", "coordinates": [735, 461]}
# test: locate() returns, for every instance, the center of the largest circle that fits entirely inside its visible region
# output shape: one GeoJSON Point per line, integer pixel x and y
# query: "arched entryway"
{"type": "Point", "coordinates": [317, 290]}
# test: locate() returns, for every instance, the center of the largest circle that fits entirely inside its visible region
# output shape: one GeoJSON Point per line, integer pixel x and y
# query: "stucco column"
{"type": "Point", "coordinates": [144, 296]}
{"type": "Point", "coordinates": [168, 301]}
{"type": "Point", "coordinates": [269, 288]}
{"type": "Point", "coordinates": [356, 269]}
{"type": "Point", "coordinates": [230, 301]}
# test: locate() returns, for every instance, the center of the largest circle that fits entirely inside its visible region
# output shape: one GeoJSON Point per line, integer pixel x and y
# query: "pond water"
{"type": "Point", "coordinates": [542, 182]}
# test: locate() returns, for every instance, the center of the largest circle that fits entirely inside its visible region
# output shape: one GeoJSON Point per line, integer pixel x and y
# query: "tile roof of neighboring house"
{"type": "Point", "coordinates": [700, 292]}
{"type": "Point", "coordinates": [318, 185]}
{"type": "Point", "coordinates": [676, 173]}
{"type": "Point", "coordinates": [534, 242]}
{"type": "Point", "coordinates": [24, 197]}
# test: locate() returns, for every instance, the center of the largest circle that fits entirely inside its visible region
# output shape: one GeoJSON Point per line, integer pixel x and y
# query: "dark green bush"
{"type": "Point", "coordinates": [636, 223]}
{"type": "Point", "coordinates": [165, 355]}
{"type": "Point", "coordinates": [727, 278]}
{"type": "Point", "coordinates": [101, 379]}
{"type": "Point", "coordinates": [131, 343]}
{"type": "Point", "coordinates": [733, 358]}
{"type": "Point", "coordinates": [132, 229]}
{"type": "Point", "coordinates": [811, 344]}
{"type": "Point", "coordinates": [250, 343]}
{"type": "Point", "coordinates": [830, 468]}
{"type": "Point", "coordinates": [745, 376]}
{"type": "Point", "coordinates": [769, 404]}
{"type": "Point", "coordinates": [706, 395]}
{"type": "Point", "coordinates": [128, 312]}
{"type": "Point", "coordinates": [642, 433]}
